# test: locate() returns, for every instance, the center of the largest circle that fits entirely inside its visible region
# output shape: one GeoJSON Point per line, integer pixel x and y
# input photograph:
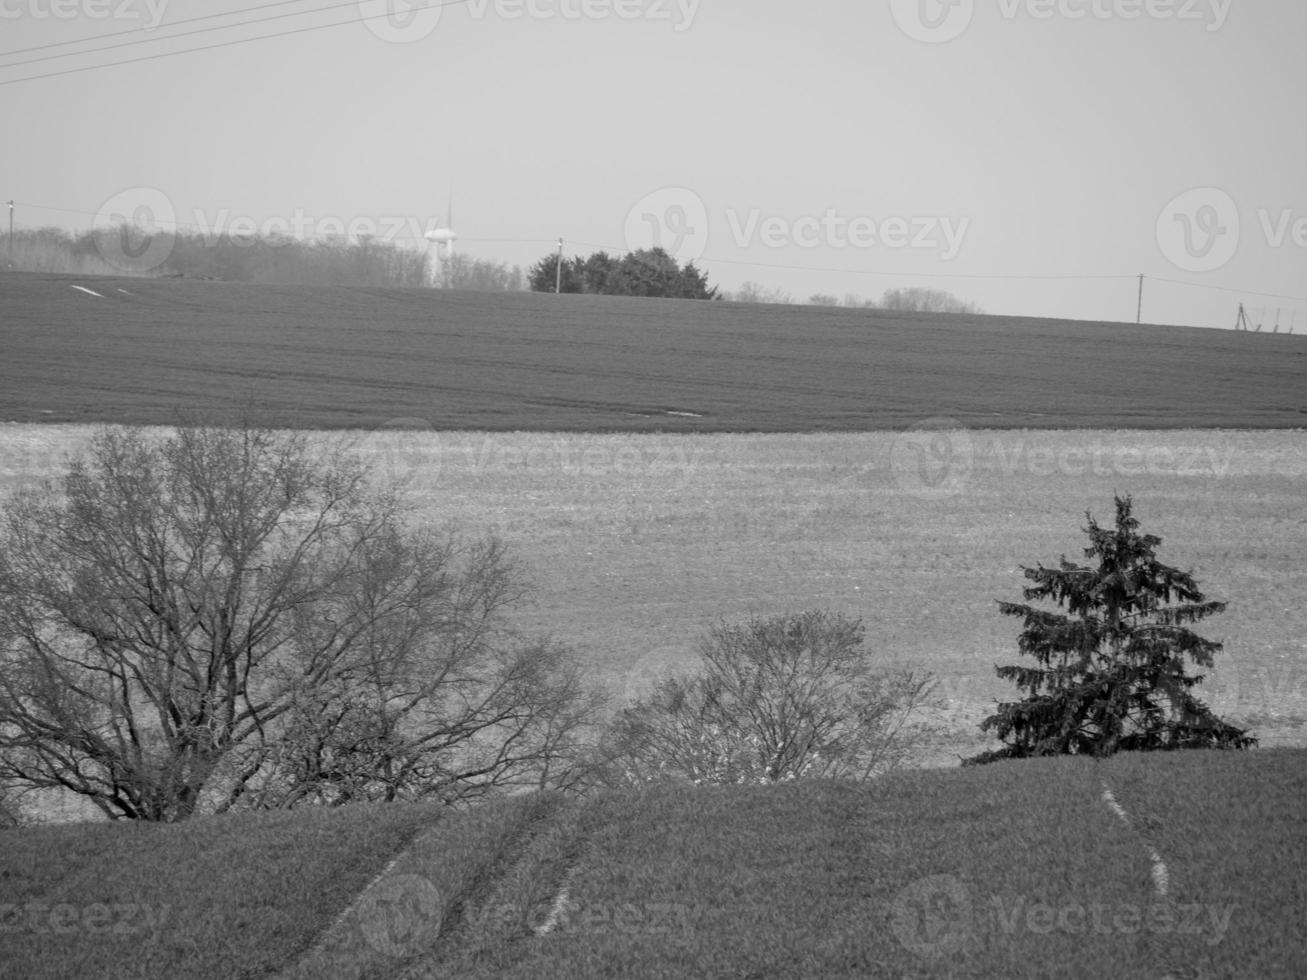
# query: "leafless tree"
{"type": "Point", "coordinates": [791, 697]}
{"type": "Point", "coordinates": [923, 300]}
{"type": "Point", "coordinates": [752, 292]}
{"type": "Point", "coordinates": [223, 617]}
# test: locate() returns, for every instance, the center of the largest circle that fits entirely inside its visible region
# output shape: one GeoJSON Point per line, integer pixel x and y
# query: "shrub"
{"type": "Point", "coordinates": [791, 697]}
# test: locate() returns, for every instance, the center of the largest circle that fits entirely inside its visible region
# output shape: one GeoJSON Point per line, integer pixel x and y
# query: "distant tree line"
{"type": "Point", "coordinates": [644, 272]}
{"type": "Point", "coordinates": [271, 258]}
{"type": "Point", "coordinates": [915, 299]}
{"type": "Point", "coordinates": [368, 261]}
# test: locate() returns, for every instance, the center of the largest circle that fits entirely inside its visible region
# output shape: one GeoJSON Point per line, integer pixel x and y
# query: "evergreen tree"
{"type": "Point", "coordinates": [545, 274]}
{"type": "Point", "coordinates": [1112, 672]}
{"type": "Point", "coordinates": [644, 272]}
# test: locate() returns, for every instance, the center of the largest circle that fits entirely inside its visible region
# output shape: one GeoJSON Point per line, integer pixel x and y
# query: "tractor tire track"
{"type": "Point", "coordinates": [520, 894]}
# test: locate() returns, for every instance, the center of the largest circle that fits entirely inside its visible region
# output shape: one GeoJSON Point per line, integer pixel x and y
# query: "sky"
{"type": "Point", "coordinates": [1034, 157]}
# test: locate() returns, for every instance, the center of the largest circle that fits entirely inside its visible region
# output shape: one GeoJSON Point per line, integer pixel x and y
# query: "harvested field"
{"type": "Point", "coordinates": [636, 543]}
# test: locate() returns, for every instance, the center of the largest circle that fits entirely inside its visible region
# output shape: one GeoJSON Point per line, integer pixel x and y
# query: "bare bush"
{"type": "Point", "coordinates": [791, 697]}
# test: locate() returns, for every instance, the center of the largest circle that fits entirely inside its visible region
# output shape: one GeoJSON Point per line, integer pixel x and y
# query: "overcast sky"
{"type": "Point", "coordinates": [834, 147]}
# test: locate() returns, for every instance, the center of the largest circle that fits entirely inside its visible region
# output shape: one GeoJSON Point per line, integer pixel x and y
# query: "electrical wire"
{"type": "Point", "coordinates": [96, 38]}
{"type": "Point", "coordinates": [430, 4]}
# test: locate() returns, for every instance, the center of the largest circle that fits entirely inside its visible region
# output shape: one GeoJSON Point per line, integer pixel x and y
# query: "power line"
{"type": "Point", "coordinates": [430, 4]}
{"type": "Point", "coordinates": [95, 39]}
{"type": "Point", "coordinates": [866, 272]}
{"type": "Point", "coordinates": [1229, 289]}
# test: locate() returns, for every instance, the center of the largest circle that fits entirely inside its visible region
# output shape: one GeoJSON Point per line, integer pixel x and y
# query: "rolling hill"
{"type": "Point", "coordinates": [1021, 869]}
{"type": "Point", "coordinates": [78, 349]}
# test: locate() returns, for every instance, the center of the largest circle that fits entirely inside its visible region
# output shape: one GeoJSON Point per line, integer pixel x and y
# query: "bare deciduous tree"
{"type": "Point", "coordinates": [228, 616]}
{"type": "Point", "coordinates": [752, 292]}
{"type": "Point", "coordinates": [923, 300]}
{"type": "Point", "coordinates": [791, 697]}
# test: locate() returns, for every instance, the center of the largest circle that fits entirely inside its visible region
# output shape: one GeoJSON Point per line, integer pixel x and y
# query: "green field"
{"type": "Point", "coordinates": [341, 357]}
{"type": "Point", "coordinates": [1016, 870]}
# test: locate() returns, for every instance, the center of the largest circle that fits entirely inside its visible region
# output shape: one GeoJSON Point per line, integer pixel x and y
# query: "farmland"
{"type": "Point", "coordinates": [637, 543]}
{"type": "Point", "coordinates": [355, 357]}
{"type": "Point", "coordinates": [658, 465]}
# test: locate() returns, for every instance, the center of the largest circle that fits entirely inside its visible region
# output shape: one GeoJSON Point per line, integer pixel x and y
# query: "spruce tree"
{"type": "Point", "coordinates": [1111, 672]}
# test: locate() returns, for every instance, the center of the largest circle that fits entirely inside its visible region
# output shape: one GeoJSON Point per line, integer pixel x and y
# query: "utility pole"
{"type": "Point", "coordinates": [11, 233]}
{"type": "Point", "coordinates": [1139, 310]}
{"type": "Point", "coordinates": [558, 270]}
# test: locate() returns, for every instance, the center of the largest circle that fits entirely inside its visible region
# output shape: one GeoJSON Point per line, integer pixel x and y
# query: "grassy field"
{"type": "Point", "coordinates": [1017, 870]}
{"type": "Point", "coordinates": [340, 357]}
{"type": "Point", "coordinates": [637, 543]}
{"type": "Point", "coordinates": [216, 898]}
